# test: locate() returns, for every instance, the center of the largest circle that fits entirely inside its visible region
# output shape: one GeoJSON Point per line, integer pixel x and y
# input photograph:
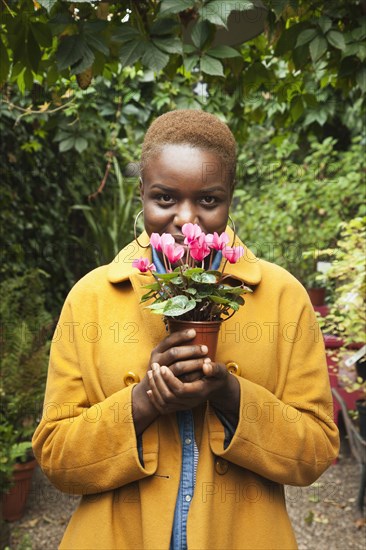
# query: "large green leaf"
{"type": "Point", "coordinates": [4, 62]}
{"type": "Point", "coordinates": [85, 62]}
{"type": "Point", "coordinates": [218, 11]}
{"type": "Point", "coordinates": [48, 4]}
{"type": "Point", "coordinates": [191, 62]}
{"type": "Point", "coordinates": [336, 39]}
{"type": "Point", "coordinates": [200, 33]}
{"type": "Point", "coordinates": [361, 79]}
{"type": "Point", "coordinates": [171, 44]}
{"type": "Point", "coordinates": [42, 33]}
{"type": "Point", "coordinates": [305, 37]}
{"type": "Point", "coordinates": [318, 46]}
{"type": "Point", "coordinates": [210, 65]}
{"type": "Point", "coordinates": [69, 51]}
{"type": "Point", "coordinates": [154, 58]}
{"type": "Point", "coordinates": [97, 43]}
{"type": "Point", "coordinates": [164, 26]}
{"type": "Point", "coordinates": [124, 33]}
{"type": "Point", "coordinates": [223, 52]}
{"type": "Point", "coordinates": [130, 52]}
{"type": "Point", "coordinates": [168, 7]}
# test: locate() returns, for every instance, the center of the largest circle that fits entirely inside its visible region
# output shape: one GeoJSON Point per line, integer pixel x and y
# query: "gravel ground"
{"type": "Point", "coordinates": [323, 515]}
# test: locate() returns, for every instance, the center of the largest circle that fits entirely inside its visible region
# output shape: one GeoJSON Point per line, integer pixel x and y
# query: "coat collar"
{"type": "Point", "coordinates": [120, 269]}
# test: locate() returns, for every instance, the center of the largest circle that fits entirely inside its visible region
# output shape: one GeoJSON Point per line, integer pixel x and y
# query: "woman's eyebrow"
{"type": "Point", "coordinates": [203, 190]}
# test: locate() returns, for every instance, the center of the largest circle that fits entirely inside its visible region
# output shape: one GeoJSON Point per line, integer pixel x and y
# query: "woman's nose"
{"type": "Point", "coordinates": [185, 213]}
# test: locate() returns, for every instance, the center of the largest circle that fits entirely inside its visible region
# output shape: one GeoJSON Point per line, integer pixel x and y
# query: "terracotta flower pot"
{"type": "Point", "coordinates": [15, 499]}
{"type": "Point", "coordinates": [316, 295]}
{"type": "Point", "coordinates": [207, 333]}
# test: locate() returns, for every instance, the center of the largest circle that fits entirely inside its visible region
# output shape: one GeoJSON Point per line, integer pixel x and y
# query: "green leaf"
{"type": "Point", "coordinates": [164, 26]}
{"type": "Point", "coordinates": [336, 39]}
{"type": "Point", "coordinates": [41, 33]}
{"type": "Point", "coordinates": [168, 7]}
{"type": "Point", "coordinates": [324, 23]}
{"type": "Point", "coordinates": [208, 278]}
{"type": "Point", "coordinates": [96, 43]}
{"type": "Point", "coordinates": [297, 108]}
{"type": "Point", "coordinates": [80, 144]}
{"type": "Point", "coordinates": [223, 52]}
{"type": "Point", "coordinates": [210, 65]}
{"type": "Point", "coordinates": [171, 44]}
{"type": "Point", "coordinates": [200, 33]}
{"type": "Point", "coordinates": [361, 79]}
{"type": "Point", "coordinates": [218, 299]}
{"type": "Point", "coordinates": [48, 4]}
{"type": "Point", "coordinates": [85, 62]}
{"type": "Point", "coordinates": [305, 37]}
{"type": "Point", "coordinates": [218, 11]}
{"type": "Point", "coordinates": [4, 62]}
{"type": "Point", "coordinates": [33, 50]}
{"type": "Point", "coordinates": [154, 58]}
{"type": "Point", "coordinates": [191, 62]}
{"type": "Point", "coordinates": [69, 51]}
{"type": "Point", "coordinates": [130, 52]}
{"type": "Point", "coordinates": [124, 33]}
{"type": "Point", "coordinates": [66, 145]}
{"type": "Point", "coordinates": [318, 47]}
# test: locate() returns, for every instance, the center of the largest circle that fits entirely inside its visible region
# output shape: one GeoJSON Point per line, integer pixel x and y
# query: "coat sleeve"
{"type": "Point", "coordinates": [289, 438]}
{"type": "Point", "coordinates": [87, 448]}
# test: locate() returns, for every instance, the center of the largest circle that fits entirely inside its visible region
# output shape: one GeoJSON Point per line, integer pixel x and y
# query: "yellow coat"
{"type": "Point", "coordinates": [86, 442]}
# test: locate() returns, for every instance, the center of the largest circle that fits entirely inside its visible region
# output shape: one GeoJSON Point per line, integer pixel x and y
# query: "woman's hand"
{"type": "Point", "coordinates": [169, 394]}
{"type": "Point", "coordinates": [184, 360]}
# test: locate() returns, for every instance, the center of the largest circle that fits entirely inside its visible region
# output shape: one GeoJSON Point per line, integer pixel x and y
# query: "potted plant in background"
{"type": "Point", "coordinates": [26, 327]}
{"type": "Point", "coordinates": [191, 294]}
{"type": "Point", "coordinates": [347, 315]}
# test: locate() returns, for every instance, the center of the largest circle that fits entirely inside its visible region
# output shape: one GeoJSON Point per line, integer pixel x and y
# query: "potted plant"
{"type": "Point", "coordinates": [26, 327]}
{"type": "Point", "coordinates": [191, 293]}
{"type": "Point", "coordinates": [347, 315]}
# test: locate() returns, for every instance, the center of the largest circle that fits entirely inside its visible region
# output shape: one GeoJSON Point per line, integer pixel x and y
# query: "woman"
{"type": "Point", "coordinates": [162, 463]}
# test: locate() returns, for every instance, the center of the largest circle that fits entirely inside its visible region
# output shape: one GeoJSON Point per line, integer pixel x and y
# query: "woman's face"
{"type": "Point", "coordinates": [182, 184]}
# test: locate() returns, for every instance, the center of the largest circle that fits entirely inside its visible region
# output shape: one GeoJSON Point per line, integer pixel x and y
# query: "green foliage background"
{"type": "Point", "coordinates": [81, 82]}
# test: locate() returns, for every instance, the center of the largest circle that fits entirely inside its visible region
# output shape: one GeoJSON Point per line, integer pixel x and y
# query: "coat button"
{"type": "Point", "coordinates": [221, 466]}
{"type": "Point", "coordinates": [131, 378]}
{"type": "Point", "coordinates": [233, 368]}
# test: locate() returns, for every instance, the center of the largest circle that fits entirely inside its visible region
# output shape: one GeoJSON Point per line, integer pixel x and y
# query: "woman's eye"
{"type": "Point", "coordinates": [208, 201]}
{"type": "Point", "coordinates": [165, 198]}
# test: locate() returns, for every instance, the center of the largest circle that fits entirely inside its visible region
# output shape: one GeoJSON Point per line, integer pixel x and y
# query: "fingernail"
{"type": "Point", "coordinates": [207, 360]}
{"type": "Point", "coordinates": [149, 373]}
{"type": "Point", "coordinates": [155, 367]}
{"type": "Point", "coordinates": [204, 349]}
{"type": "Point", "coordinates": [191, 333]}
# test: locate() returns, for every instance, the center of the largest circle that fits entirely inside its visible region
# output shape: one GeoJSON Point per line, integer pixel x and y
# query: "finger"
{"type": "Point", "coordinates": [162, 392]}
{"type": "Point", "coordinates": [185, 367]}
{"type": "Point", "coordinates": [214, 370]}
{"type": "Point", "coordinates": [181, 353]}
{"type": "Point", "coordinates": [175, 339]}
{"type": "Point", "coordinates": [175, 386]}
{"type": "Point", "coordinates": [153, 388]}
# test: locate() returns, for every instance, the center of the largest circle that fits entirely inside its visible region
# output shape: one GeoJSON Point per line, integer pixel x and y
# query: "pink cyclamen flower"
{"type": "Point", "coordinates": [233, 254]}
{"type": "Point", "coordinates": [155, 241]}
{"type": "Point", "coordinates": [191, 231]}
{"type": "Point", "coordinates": [165, 240]}
{"type": "Point", "coordinates": [216, 241]}
{"type": "Point", "coordinates": [199, 249]}
{"type": "Point", "coordinates": [143, 265]}
{"type": "Point", "coordinates": [173, 252]}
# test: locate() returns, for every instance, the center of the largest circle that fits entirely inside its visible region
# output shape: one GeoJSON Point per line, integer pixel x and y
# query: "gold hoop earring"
{"type": "Point", "coordinates": [233, 228]}
{"type": "Point", "coordinates": [135, 229]}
